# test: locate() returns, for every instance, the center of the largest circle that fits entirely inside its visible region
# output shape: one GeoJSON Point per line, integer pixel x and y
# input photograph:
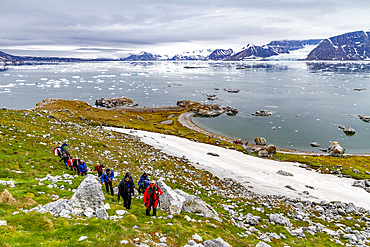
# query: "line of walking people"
{"type": "Point", "coordinates": [126, 190]}
{"type": "Point", "coordinates": [74, 164]}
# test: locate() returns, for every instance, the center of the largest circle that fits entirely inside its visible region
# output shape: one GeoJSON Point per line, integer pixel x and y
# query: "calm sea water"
{"type": "Point", "coordinates": [308, 101]}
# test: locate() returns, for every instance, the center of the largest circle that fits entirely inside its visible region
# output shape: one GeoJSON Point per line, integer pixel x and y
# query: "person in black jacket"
{"type": "Point", "coordinates": [65, 159]}
{"type": "Point", "coordinates": [126, 190]}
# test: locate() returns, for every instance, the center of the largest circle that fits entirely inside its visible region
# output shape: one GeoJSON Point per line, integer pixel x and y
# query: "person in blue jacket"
{"type": "Point", "coordinates": [82, 169]}
{"type": "Point", "coordinates": [143, 183]}
{"type": "Point", "coordinates": [107, 179]}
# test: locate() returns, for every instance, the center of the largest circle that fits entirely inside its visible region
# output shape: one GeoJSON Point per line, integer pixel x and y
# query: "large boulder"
{"type": "Point", "coordinates": [260, 141]}
{"type": "Point", "coordinates": [88, 200]}
{"type": "Point", "coordinates": [280, 219]}
{"type": "Point", "coordinates": [335, 149]}
{"type": "Point", "coordinates": [175, 201]}
{"type": "Point", "coordinates": [271, 149]}
{"type": "Point", "coordinates": [219, 242]}
{"type": "Point", "coordinates": [170, 201]}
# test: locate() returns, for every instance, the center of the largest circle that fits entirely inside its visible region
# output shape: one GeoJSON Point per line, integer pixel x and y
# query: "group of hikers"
{"type": "Point", "coordinates": [73, 163]}
{"type": "Point", "coordinates": [126, 186]}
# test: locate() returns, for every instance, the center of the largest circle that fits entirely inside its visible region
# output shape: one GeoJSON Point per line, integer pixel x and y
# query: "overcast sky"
{"type": "Point", "coordinates": [85, 28]}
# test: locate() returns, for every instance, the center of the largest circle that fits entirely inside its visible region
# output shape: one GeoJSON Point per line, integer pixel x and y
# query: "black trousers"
{"type": "Point", "coordinates": [109, 185]}
{"type": "Point", "coordinates": [154, 210]}
{"type": "Point", "coordinates": [99, 174]}
{"type": "Point", "coordinates": [127, 201]}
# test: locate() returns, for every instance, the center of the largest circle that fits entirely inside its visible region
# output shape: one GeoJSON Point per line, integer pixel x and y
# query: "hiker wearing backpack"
{"type": "Point", "coordinates": [99, 169]}
{"type": "Point", "coordinates": [75, 163]}
{"type": "Point", "coordinates": [58, 151]}
{"type": "Point", "coordinates": [107, 179]}
{"type": "Point", "coordinates": [82, 168]}
{"type": "Point", "coordinates": [65, 159]}
{"type": "Point", "coordinates": [143, 183]}
{"type": "Point", "coordinates": [151, 198]}
{"type": "Point", "coordinates": [126, 190]}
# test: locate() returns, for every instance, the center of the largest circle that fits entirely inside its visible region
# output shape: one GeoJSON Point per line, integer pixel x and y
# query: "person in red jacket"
{"type": "Point", "coordinates": [99, 169]}
{"type": "Point", "coordinates": [151, 198]}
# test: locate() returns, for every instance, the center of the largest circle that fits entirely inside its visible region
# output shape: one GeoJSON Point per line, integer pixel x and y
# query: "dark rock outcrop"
{"type": "Point", "coordinates": [207, 110]}
{"type": "Point", "coordinates": [119, 101]}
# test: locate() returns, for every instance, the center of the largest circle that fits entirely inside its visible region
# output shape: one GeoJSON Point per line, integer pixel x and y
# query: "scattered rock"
{"type": "Point", "coordinates": [3, 223]}
{"type": "Point", "coordinates": [364, 118]}
{"type": "Point", "coordinates": [212, 97]}
{"type": "Point", "coordinates": [7, 198]}
{"type": "Point", "coordinates": [219, 242]}
{"type": "Point", "coordinates": [88, 200]}
{"type": "Point", "coordinates": [349, 131]}
{"type": "Point", "coordinates": [262, 244]}
{"type": "Point", "coordinates": [231, 90]}
{"type": "Point", "coordinates": [167, 122]}
{"type": "Point", "coordinates": [207, 110]}
{"type": "Point", "coordinates": [252, 220]}
{"type": "Point", "coordinates": [260, 141]}
{"type": "Point", "coordinates": [335, 149]}
{"type": "Point", "coordinates": [315, 144]}
{"type": "Point", "coordinates": [284, 173]}
{"type": "Point", "coordinates": [197, 237]}
{"type": "Point", "coordinates": [82, 238]}
{"type": "Point", "coordinates": [297, 232]}
{"type": "Point", "coordinates": [213, 154]}
{"type": "Point", "coordinates": [263, 153]}
{"type": "Point", "coordinates": [280, 219]}
{"type": "Point", "coordinates": [120, 101]}
{"type": "Point", "coordinates": [271, 149]}
{"type": "Point", "coordinates": [175, 201]}
{"type": "Point", "coordinates": [262, 113]}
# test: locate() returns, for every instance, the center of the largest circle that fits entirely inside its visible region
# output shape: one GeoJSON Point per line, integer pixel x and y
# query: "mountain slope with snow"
{"type": "Point", "coordinates": [348, 46]}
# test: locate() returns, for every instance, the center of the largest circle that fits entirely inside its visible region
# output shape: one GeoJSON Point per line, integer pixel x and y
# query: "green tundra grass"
{"type": "Point", "coordinates": [26, 153]}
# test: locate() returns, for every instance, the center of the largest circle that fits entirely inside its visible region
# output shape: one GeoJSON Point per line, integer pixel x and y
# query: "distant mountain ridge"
{"type": "Point", "coordinates": [348, 46]}
{"type": "Point", "coordinates": [272, 49]}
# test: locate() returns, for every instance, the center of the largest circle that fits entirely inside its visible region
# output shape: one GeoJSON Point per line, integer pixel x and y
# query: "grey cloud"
{"type": "Point", "coordinates": [122, 24]}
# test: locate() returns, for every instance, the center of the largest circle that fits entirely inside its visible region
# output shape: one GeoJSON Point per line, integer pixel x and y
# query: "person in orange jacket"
{"type": "Point", "coordinates": [151, 198]}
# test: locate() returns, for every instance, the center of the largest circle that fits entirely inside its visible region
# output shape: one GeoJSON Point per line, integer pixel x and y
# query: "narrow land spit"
{"type": "Point", "coordinates": [256, 174]}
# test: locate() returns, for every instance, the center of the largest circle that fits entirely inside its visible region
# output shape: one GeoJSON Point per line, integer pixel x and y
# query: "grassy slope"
{"type": "Point", "coordinates": [23, 148]}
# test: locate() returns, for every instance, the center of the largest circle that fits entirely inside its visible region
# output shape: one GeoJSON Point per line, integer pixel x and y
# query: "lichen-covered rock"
{"type": "Point", "coordinates": [88, 200]}
{"type": "Point", "coordinates": [280, 219]}
{"type": "Point", "coordinates": [260, 141]}
{"type": "Point", "coordinates": [263, 153]}
{"type": "Point", "coordinates": [219, 242]}
{"type": "Point", "coordinates": [271, 149]}
{"type": "Point", "coordinates": [175, 201]}
{"type": "Point", "coordinates": [335, 149]}
{"type": "Point", "coordinates": [119, 101]}
{"type": "Point", "coordinates": [207, 110]}
{"type": "Point", "coordinates": [252, 220]}
{"type": "Point", "coordinates": [171, 202]}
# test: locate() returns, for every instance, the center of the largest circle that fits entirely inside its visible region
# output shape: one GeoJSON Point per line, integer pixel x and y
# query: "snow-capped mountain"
{"type": "Point", "coordinates": [143, 56]}
{"type": "Point", "coordinates": [193, 55]}
{"type": "Point", "coordinates": [256, 52]}
{"type": "Point", "coordinates": [272, 49]}
{"type": "Point", "coordinates": [348, 46]}
{"type": "Point", "coordinates": [292, 45]}
{"type": "Point", "coordinates": [220, 54]}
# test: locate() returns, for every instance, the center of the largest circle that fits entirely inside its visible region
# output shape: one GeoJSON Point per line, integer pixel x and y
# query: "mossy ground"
{"type": "Point", "coordinates": [26, 154]}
